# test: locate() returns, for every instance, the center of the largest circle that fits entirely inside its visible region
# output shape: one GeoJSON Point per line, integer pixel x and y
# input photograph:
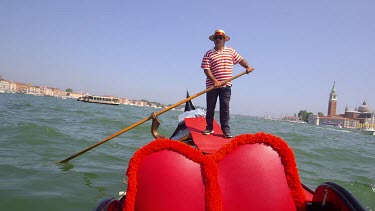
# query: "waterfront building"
{"type": "Point", "coordinates": [7, 86]}
{"type": "Point", "coordinates": [59, 93]}
{"type": "Point", "coordinates": [46, 91]}
{"type": "Point", "coordinates": [22, 88]}
{"type": "Point", "coordinates": [34, 89]}
{"type": "Point", "coordinates": [74, 95]}
{"type": "Point", "coordinates": [336, 121]}
{"type": "Point", "coordinates": [4, 85]}
{"type": "Point", "coordinates": [350, 119]}
{"type": "Point", "coordinates": [363, 114]}
{"type": "Point", "coordinates": [125, 101]}
{"type": "Point", "coordinates": [332, 101]}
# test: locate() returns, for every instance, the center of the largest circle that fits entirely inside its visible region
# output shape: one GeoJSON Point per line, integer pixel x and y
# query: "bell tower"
{"type": "Point", "coordinates": [332, 101]}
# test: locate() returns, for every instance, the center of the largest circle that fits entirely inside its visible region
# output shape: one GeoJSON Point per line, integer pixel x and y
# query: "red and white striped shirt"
{"type": "Point", "coordinates": [220, 63]}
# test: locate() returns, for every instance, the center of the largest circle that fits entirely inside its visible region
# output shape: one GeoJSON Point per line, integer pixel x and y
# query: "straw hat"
{"type": "Point", "coordinates": [219, 32]}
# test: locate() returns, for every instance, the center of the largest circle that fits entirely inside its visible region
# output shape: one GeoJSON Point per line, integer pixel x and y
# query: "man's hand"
{"type": "Point", "coordinates": [249, 69]}
{"type": "Point", "coordinates": [217, 83]}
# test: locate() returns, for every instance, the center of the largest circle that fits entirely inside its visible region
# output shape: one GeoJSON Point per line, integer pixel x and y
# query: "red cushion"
{"type": "Point", "coordinates": [167, 181]}
{"type": "Point", "coordinates": [253, 172]}
{"type": "Point", "coordinates": [252, 178]}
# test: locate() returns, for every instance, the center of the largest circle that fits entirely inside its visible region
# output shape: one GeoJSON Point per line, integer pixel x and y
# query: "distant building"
{"type": "Point", "coordinates": [46, 91]}
{"type": "Point", "coordinates": [8, 86]}
{"type": "Point", "coordinates": [4, 85]}
{"type": "Point", "coordinates": [140, 103]}
{"type": "Point", "coordinates": [363, 114]}
{"type": "Point", "coordinates": [350, 119]}
{"type": "Point", "coordinates": [22, 88]}
{"type": "Point", "coordinates": [332, 101]}
{"type": "Point", "coordinates": [74, 95]}
{"type": "Point", "coordinates": [59, 93]}
{"type": "Point", "coordinates": [124, 101]}
{"type": "Point", "coordinates": [34, 89]}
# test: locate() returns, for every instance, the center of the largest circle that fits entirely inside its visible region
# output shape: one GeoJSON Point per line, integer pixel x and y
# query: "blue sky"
{"type": "Point", "coordinates": [153, 49]}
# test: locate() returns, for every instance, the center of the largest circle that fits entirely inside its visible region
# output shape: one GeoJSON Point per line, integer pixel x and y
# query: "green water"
{"type": "Point", "coordinates": [35, 132]}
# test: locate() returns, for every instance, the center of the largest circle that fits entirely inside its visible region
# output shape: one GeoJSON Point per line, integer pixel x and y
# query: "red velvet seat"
{"type": "Point", "coordinates": [253, 172]}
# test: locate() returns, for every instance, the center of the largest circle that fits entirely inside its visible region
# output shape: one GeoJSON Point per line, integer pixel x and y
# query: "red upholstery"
{"type": "Point", "coordinates": [261, 182]}
{"type": "Point", "coordinates": [206, 143]}
{"type": "Point", "coordinates": [253, 172]}
{"type": "Point", "coordinates": [168, 181]}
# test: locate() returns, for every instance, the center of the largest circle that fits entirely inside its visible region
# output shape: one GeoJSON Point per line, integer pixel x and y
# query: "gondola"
{"type": "Point", "coordinates": [191, 171]}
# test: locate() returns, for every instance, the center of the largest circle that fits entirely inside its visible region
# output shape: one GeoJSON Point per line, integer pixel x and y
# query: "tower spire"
{"type": "Point", "coordinates": [332, 101]}
{"type": "Point", "coordinates": [334, 87]}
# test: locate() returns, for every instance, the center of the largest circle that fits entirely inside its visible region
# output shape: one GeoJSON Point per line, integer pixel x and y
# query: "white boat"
{"type": "Point", "coordinates": [100, 99]}
{"type": "Point", "coordinates": [34, 93]}
{"type": "Point", "coordinates": [368, 131]}
{"type": "Point", "coordinates": [368, 127]}
{"type": "Point", "coordinates": [332, 124]}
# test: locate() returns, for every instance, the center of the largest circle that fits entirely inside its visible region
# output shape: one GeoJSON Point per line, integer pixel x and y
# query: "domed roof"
{"type": "Point", "coordinates": [363, 108]}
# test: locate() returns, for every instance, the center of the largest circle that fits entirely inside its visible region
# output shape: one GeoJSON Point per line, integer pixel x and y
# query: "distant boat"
{"type": "Point", "coordinates": [100, 99]}
{"type": "Point", "coordinates": [34, 93]}
{"type": "Point", "coordinates": [368, 131]}
{"type": "Point", "coordinates": [334, 124]}
{"type": "Point", "coordinates": [368, 128]}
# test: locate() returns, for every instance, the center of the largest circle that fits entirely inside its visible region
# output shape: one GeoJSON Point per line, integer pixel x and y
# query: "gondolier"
{"type": "Point", "coordinates": [217, 64]}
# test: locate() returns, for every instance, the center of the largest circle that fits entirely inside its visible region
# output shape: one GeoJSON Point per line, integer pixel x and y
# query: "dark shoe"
{"type": "Point", "coordinates": [207, 132]}
{"type": "Point", "coordinates": [227, 134]}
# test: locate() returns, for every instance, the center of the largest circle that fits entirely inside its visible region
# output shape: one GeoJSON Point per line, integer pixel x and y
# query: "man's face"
{"type": "Point", "coordinates": [219, 40]}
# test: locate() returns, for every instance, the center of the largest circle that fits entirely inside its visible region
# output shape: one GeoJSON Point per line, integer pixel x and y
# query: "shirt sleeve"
{"type": "Point", "coordinates": [236, 57]}
{"type": "Point", "coordinates": [206, 62]}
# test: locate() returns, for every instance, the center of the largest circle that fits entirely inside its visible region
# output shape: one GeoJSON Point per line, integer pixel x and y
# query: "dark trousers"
{"type": "Point", "coordinates": [224, 94]}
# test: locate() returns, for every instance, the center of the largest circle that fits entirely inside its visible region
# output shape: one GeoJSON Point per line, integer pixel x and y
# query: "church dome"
{"type": "Point", "coordinates": [363, 108]}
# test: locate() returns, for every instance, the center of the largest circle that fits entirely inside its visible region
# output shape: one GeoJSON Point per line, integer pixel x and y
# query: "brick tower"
{"type": "Point", "coordinates": [332, 101]}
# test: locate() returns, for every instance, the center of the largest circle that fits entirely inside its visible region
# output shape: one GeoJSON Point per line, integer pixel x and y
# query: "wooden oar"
{"type": "Point", "coordinates": [146, 119]}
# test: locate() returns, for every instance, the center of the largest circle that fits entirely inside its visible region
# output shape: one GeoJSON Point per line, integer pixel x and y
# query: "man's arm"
{"type": "Point", "coordinates": [244, 64]}
{"type": "Point", "coordinates": [211, 77]}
